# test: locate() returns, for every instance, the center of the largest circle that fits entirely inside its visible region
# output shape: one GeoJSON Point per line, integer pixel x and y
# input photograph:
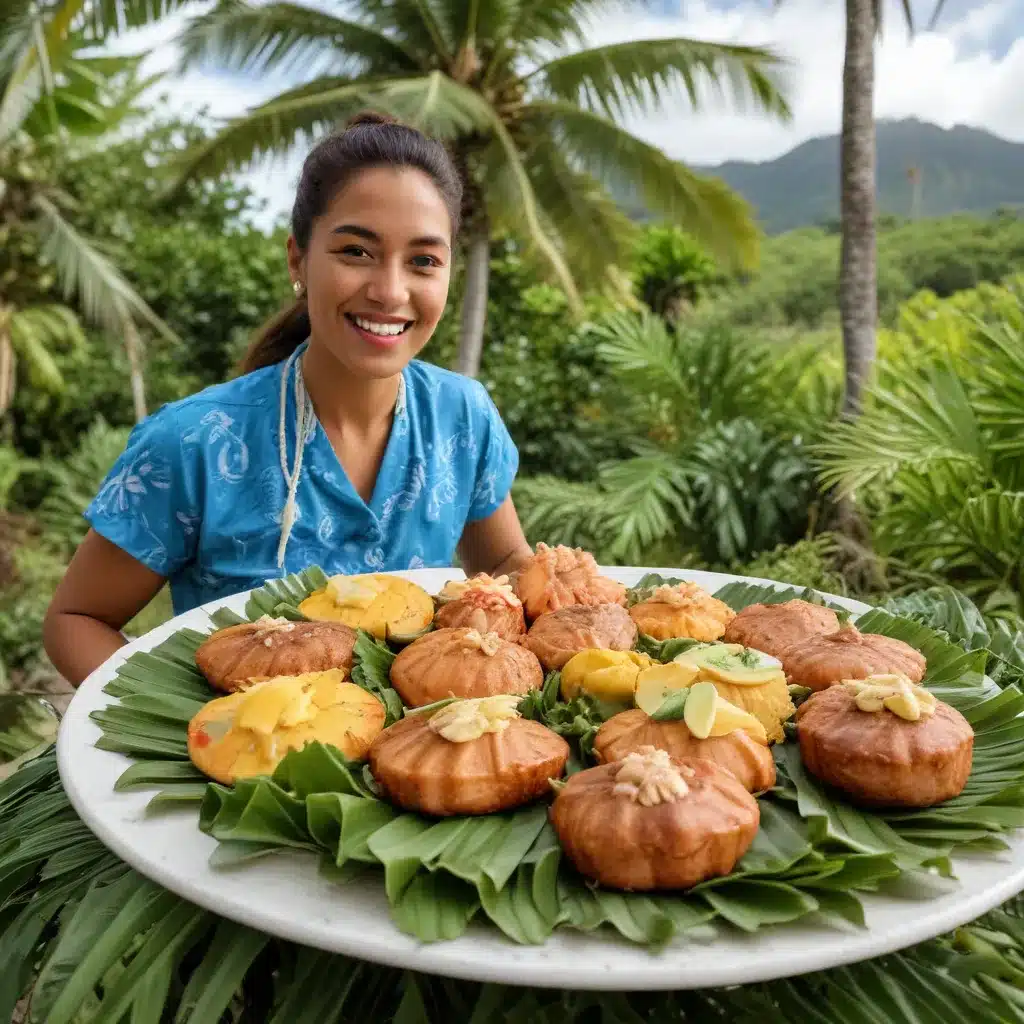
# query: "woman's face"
{"type": "Point", "coordinates": [377, 269]}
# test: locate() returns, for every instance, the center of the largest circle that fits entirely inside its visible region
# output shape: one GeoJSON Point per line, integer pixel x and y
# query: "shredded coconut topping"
{"type": "Point", "coordinates": [500, 586]}
{"type": "Point", "coordinates": [488, 643]}
{"type": "Point", "coordinates": [648, 777]}
{"type": "Point", "coordinates": [679, 596]}
{"type": "Point", "coordinates": [267, 625]}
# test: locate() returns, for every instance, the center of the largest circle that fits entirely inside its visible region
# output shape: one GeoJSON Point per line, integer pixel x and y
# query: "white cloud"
{"type": "Point", "coordinates": [948, 76]}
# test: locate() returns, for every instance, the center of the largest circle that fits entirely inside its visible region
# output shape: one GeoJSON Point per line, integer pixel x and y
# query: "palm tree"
{"type": "Point", "coordinates": [531, 117]}
{"type": "Point", "coordinates": [51, 92]}
{"type": "Point", "coordinates": [858, 286]}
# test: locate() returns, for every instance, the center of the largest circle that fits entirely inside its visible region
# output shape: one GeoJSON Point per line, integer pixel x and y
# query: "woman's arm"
{"type": "Point", "coordinates": [103, 589]}
{"type": "Point", "coordinates": [494, 545]}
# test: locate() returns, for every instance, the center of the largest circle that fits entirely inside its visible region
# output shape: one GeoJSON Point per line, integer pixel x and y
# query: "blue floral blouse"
{"type": "Point", "coordinates": [199, 492]}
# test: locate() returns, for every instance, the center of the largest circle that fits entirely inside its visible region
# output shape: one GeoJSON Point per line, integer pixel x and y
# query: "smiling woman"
{"type": "Point", "coordinates": [335, 446]}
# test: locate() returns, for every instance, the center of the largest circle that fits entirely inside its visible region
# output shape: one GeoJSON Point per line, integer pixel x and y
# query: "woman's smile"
{"type": "Point", "coordinates": [378, 329]}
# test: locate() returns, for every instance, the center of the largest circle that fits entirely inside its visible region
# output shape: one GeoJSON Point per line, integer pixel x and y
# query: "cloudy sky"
{"type": "Point", "coordinates": [969, 70]}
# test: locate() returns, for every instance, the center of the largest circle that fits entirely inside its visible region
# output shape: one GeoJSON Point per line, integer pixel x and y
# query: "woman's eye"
{"type": "Point", "coordinates": [354, 250]}
{"type": "Point", "coordinates": [426, 261]}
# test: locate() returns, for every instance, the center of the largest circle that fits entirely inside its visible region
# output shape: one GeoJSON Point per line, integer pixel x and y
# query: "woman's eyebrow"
{"type": "Point", "coordinates": [371, 236]}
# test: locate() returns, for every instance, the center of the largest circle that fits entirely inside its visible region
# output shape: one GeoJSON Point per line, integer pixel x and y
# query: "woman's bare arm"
{"type": "Point", "coordinates": [103, 589]}
{"type": "Point", "coordinates": [494, 545]}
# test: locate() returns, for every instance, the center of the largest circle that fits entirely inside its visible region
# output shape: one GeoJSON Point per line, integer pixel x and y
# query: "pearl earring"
{"type": "Point", "coordinates": [297, 288]}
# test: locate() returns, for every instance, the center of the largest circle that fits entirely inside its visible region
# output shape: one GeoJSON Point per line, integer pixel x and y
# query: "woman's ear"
{"type": "Point", "coordinates": [296, 261]}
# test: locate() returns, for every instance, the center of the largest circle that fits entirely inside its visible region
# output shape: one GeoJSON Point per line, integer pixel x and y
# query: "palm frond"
{"type": "Point", "coordinates": [34, 331]}
{"type": "Point", "coordinates": [624, 78]}
{"type": "Point", "coordinates": [434, 103]}
{"type": "Point", "coordinates": [537, 234]}
{"type": "Point", "coordinates": [995, 522]}
{"type": "Point", "coordinates": [104, 18]}
{"type": "Point", "coordinates": [20, 73]}
{"type": "Point", "coordinates": [593, 231]}
{"type": "Point", "coordinates": [273, 128]}
{"type": "Point", "coordinates": [705, 207]}
{"type": "Point", "coordinates": [245, 37]}
{"type": "Point", "coordinates": [915, 421]}
{"type": "Point", "coordinates": [999, 399]}
{"type": "Point", "coordinates": [641, 347]}
{"type": "Point", "coordinates": [562, 512]}
{"type": "Point", "coordinates": [646, 498]}
{"type": "Point", "coordinates": [104, 296]}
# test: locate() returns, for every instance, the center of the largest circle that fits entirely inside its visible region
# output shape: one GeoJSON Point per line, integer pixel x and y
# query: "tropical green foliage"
{"type": "Point", "coordinates": [671, 272]}
{"type": "Point", "coordinates": [796, 281]}
{"type": "Point", "coordinates": [714, 416]}
{"type": "Point", "coordinates": [938, 456]}
{"type": "Point", "coordinates": [51, 90]}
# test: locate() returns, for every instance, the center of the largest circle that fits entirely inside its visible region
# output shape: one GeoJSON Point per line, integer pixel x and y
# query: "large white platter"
{"type": "Point", "coordinates": [285, 896]}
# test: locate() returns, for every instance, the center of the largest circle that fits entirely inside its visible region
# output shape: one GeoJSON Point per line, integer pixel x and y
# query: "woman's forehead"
{"type": "Point", "coordinates": [398, 206]}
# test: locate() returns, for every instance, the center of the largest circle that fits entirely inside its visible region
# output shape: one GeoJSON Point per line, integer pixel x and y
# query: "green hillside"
{"type": "Point", "coordinates": [962, 169]}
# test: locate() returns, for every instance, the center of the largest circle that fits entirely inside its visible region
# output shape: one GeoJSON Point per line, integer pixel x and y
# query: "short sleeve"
{"type": "Point", "coordinates": [146, 505]}
{"type": "Point", "coordinates": [498, 460]}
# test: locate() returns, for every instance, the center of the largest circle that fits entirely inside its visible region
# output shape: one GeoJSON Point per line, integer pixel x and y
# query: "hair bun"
{"type": "Point", "coordinates": [370, 117]}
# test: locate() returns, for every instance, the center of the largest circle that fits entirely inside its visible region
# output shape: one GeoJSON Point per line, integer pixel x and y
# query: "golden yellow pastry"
{"type": "Point", "coordinates": [717, 731]}
{"type": "Point", "coordinates": [821, 661]}
{"type": "Point", "coordinates": [561, 577]}
{"type": "Point", "coordinates": [482, 603]}
{"type": "Point", "coordinates": [232, 658]}
{"type": "Point", "coordinates": [608, 675]}
{"type": "Point", "coordinates": [556, 637]}
{"type": "Point", "coordinates": [681, 610]}
{"type": "Point", "coordinates": [652, 821]}
{"type": "Point", "coordinates": [389, 607]}
{"type": "Point", "coordinates": [463, 663]}
{"type": "Point", "coordinates": [886, 742]}
{"type": "Point", "coordinates": [471, 757]}
{"type": "Point", "coordinates": [250, 732]}
{"type": "Point", "coordinates": [748, 679]}
{"type": "Point", "coordinates": [773, 628]}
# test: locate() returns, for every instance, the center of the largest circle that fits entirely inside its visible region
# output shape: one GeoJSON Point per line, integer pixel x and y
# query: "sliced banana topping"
{"type": "Point", "coordinates": [354, 591]}
{"type": "Point", "coordinates": [499, 585]}
{"type": "Point", "coordinates": [648, 777]}
{"type": "Point", "coordinates": [466, 720]}
{"type": "Point", "coordinates": [895, 693]}
{"type": "Point", "coordinates": [487, 643]}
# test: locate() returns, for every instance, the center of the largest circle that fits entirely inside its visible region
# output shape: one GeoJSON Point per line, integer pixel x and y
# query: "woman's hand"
{"type": "Point", "coordinates": [103, 589]}
{"type": "Point", "coordinates": [495, 545]}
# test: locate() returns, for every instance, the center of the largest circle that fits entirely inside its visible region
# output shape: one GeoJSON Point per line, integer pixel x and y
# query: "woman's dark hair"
{"type": "Point", "coordinates": [369, 140]}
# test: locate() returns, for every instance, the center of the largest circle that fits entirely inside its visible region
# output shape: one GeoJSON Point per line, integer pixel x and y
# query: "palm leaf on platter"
{"type": "Point", "coordinates": [812, 855]}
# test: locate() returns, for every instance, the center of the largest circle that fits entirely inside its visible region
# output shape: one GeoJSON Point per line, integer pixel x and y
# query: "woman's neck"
{"type": "Point", "coordinates": [343, 402]}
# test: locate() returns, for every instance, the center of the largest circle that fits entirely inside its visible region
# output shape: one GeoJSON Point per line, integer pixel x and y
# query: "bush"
{"type": "Point", "coordinates": [671, 272]}
{"type": "Point", "coordinates": [937, 458]}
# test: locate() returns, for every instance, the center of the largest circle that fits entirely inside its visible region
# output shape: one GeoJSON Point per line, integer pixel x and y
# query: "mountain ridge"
{"type": "Point", "coordinates": [961, 170]}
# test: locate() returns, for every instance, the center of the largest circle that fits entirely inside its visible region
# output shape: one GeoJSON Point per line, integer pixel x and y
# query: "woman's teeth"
{"type": "Point", "coordinates": [375, 327]}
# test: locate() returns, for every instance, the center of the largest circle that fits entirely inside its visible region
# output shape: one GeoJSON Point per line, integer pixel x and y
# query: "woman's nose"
{"type": "Point", "coordinates": [388, 285]}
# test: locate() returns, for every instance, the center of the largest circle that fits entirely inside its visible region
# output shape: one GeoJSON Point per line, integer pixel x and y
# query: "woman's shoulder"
{"type": "Point", "coordinates": [250, 391]}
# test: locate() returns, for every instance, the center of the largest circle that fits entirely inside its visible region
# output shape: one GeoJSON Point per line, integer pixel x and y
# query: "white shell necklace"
{"type": "Point", "coordinates": [305, 428]}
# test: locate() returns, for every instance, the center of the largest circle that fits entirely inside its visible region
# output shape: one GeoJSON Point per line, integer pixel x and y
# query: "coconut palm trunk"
{"type": "Point", "coordinates": [474, 301]}
{"type": "Point", "coordinates": [858, 295]}
{"type": "Point", "coordinates": [6, 361]}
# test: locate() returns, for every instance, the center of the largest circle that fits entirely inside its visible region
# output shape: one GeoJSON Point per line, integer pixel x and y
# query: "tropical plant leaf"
{"type": "Point", "coordinates": [621, 78]}
{"type": "Point", "coordinates": [106, 298]}
{"type": "Point", "coordinates": [287, 37]}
